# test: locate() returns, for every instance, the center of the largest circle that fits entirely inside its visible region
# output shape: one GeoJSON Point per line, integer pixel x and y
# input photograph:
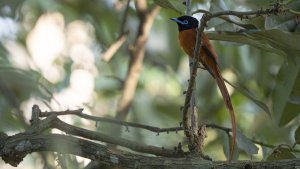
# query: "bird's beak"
{"type": "Point", "coordinates": [175, 20]}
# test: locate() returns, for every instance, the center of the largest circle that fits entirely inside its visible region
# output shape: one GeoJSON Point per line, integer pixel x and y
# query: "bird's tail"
{"type": "Point", "coordinates": [229, 106]}
{"type": "Point", "coordinates": [209, 60]}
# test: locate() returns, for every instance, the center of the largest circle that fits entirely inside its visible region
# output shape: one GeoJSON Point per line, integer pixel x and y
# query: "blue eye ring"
{"type": "Point", "coordinates": [185, 22]}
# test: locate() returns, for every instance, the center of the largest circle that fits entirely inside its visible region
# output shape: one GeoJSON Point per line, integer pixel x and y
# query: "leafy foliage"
{"type": "Point", "coordinates": [261, 54]}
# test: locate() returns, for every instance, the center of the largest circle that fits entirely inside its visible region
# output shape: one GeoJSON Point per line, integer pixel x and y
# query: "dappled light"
{"type": "Point", "coordinates": [46, 43]}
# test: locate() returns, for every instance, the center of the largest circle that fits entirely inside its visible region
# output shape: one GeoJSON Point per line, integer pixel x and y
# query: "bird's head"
{"type": "Point", "coordinates": [186, 22]}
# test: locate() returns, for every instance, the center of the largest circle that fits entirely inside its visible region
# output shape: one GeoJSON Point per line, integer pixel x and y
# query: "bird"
{"type": "Point", "coordinates": [187, 26]}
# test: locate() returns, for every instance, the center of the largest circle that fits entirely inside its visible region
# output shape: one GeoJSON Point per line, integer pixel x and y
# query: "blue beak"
{"type": "Point", "coordinates": [185, 22]}
{"type": "Point", "coordinates": [175, 20]}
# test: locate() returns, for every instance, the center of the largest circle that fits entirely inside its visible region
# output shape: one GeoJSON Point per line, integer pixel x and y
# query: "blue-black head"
{"type": "Point", "coordinates": [186, 22]}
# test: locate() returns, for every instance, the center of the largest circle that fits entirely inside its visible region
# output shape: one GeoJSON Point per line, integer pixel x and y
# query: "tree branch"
{"type": "Point", "coordinates": [113, 48]}
{"type": "Point", "coordinates": [133, 145]}
{"type": "Point", "coordinates": [193, 138]}
{"type": "Point", "coordinates": [225, 18]}
{"type": "Point", "coordinates": [123, 123]}
{"type": "Point", "coordinates": [276, 8]}
{"type": "Point", "coordinates": [53, 122]}
{"type": "Point", "coordinates": [107, 55]}
{"type": "Point", "coordinates": [157, 130]}
{"type": "Point", "coordinates": [188, 7]}
{"type": "Point", "coordinates": [14, 148]}
{"type": "Point", "coordinates": [137, 57]}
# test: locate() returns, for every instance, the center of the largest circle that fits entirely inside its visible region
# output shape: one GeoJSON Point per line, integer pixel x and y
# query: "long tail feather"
{"type": "Point", "coordinates": [229, 106]}
{"type": "Point", "coordinates": [208, 60]}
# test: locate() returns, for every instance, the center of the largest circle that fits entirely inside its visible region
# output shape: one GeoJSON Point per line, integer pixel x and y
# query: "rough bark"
{"type": "Point", "coordinates": [14, 148]}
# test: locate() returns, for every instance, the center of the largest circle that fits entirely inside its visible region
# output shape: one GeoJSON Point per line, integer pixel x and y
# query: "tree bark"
{"type": "Point", "coordinates": [14, 148]}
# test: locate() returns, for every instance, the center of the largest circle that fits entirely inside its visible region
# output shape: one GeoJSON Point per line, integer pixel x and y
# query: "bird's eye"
{"type": "Point", "coordinates": [185, 22]}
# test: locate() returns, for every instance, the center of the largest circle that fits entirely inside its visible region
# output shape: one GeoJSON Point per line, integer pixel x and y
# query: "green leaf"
{"type": "Point", "coordinates": [226, 145]}
{"type": "Point", "coordinates": [243, 38]}
{"type": "Point", "coordinates": [286, 22]}
{"type": "Point", "coordinates": [173, 5]}
{"type": "Point", "coordinates": [275, 41]}
{"type": "Point", "coordinates": [285, 41]}
{"type": "Point", "coordinates": [227, 140]}
{"type": "Point", "coordinates": [297, 135]}
{"type": "Point", "coordinates": [289, 112]}
{"type": "Point", "coordinates": [280, 154]}
{"type": "Point", "coordinates": [285, 96]}
{"type": "Point", "coordinates": [246, 93]}
{"type": "Point", "coordinates": [265, 151]}
{"type": "Point", "coordinates": [245, 144]}
{"type": "Point", "coordinates": [18, 84]}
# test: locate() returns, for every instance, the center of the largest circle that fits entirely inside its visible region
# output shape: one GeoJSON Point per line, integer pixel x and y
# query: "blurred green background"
{"type": "Point", "coordinates": [51, 55]}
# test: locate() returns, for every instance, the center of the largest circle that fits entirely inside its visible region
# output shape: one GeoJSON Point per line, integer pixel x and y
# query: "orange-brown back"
{"type": "Point", "coordinates": [187, 39]}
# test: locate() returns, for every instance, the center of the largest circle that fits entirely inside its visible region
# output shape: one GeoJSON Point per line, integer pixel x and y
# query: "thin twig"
{"type": "Point", "coordinates": [124, 19]}
{"type": "Point", "coordinates": [66, 112]}
{"type": "Point", "coordinates": [225, 18]}
{"type": "Point", "coordinates": [108, 120]}
{"type": "Point", "coordinates": [124, 123]}
{"type": "Point", "coordinates": [133, 145]}
{"type": "Point", "coordinates": [123, 34]}
{"type": "Point", "coordinates": [52, 121]}
{"type": "Point", "coordinates": [113, 48]}
{"type": "Point", "coordinates": [277, 8]}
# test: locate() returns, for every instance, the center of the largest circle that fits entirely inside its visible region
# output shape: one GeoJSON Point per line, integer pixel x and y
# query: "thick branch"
{"type": "Point", "coordinates": [16, 147]}
{"type": "Point", "coordinates": [157, 130]}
